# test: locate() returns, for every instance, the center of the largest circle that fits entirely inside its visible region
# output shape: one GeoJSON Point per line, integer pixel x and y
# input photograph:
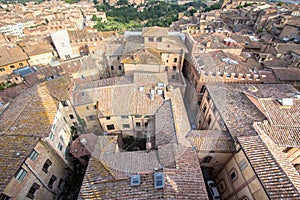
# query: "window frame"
{"type": "Point", "coordinates": [47, 165]}
{"type": "Point", "coordinates": [236, 175]}
{"type": "Point", "coordinates": [21, 173]}
{"type": "Point", "coordinates": [32, 191]}
{"type": "Point", "coordinates": [110, 127]}
{"type": "Point", "coordinates": [159, 176]}
{"type": "Point", "coordinates": [33, 155]}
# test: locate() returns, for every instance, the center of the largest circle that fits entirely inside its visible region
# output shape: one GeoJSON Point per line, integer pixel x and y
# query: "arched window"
{"type": "Point", "coordinates": [204, 108]}
{"type": "Point", "coordinates": [209, 120]}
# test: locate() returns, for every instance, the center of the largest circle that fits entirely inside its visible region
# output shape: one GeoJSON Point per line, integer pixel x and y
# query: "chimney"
{"type": "Point", "coordinates": [208, 43]}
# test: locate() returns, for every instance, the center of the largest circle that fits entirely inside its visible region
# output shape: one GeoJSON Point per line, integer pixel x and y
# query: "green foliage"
{"type": "Point", "coordinates": [213, 7]}
{"type": "Point", "coordinates": [7, 84]}
{"type": "Point", "coordinates": [155, 13]}
{"type": "Point", "coordinates": [280, 3]}
{"type": "Point", "coordinates": [72, 1]}
{"type": "Point", "coordinates": [122, 2]}
{"type": "Point", "coordinates": [94, 18]}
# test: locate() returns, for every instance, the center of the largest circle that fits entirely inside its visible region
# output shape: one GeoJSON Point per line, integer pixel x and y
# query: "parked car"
{"type": "Point", "coordinates": [212, 187]}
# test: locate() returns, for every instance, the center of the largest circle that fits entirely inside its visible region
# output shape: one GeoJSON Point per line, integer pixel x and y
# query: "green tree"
{"type": "Point", "coordinates": [94, 18]}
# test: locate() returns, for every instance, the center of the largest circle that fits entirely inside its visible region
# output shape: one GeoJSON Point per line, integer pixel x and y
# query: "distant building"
{"type": "Point", "coordinates": [62, 44]}
{"type": "Point", "coordinates": [12, 57]}
{"type": "Point", "coordinates": [40, 54]}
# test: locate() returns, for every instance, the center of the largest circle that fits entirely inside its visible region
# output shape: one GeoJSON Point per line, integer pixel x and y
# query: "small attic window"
{"type": "Point", "coordinates": [135, 180]}
{"type": "Point", "coordinates": [159, 180]}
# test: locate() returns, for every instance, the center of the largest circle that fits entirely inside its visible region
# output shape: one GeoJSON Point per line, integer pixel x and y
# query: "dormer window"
{"type": "Point", "coordinates": [135, 180]}
{"type": "Point", "coordinates": [159, 180]}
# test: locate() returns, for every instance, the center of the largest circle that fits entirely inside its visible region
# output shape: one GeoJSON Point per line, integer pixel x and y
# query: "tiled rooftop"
{"type": "Point", "coordinates": [211, 140]}
{"type": "Point", "coordinates": [275, 181]}
{"type": "Point", "coordinates": [143, 56]}
{"type": "Point", "coordinates": [164, 127]}
{"type": "Point", "coordinates": [182, 173]}
{"type": "Point", "coordinates": [287, 74]}
{"type": "Point", "coordinates": [181, 121]}
{"type": "Point", "coordinates": [11, 54]}
{"type": "Point", "coordinates": [283, 125]}
{"type": "Point", "coordinates": [186, 181]}
{"type": "Point", "coordinates": [37, 49]}
{"type": "Point", "coordinates": [215, 62]}
{"type": "Point", "coordinates": [282, 115]}
{"type": "Point", "coordinates": [33, 112]}
{"type": "Point", "coordinates": [14, 150]}
{"type": "Point", "coordinates": [236, 110]}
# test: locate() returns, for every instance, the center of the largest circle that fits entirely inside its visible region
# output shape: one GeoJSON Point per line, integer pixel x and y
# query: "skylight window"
{"type": "Point", "coordinates": [135, 180]}
{"type": "Point", "coordinates": [159, 180]}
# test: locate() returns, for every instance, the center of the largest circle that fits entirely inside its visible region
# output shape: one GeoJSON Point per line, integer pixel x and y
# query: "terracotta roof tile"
{"type": "Point", "coordinates": [14, 150]}
{"type": "Point", "coordinates": [275, 181]}
{"type": "Point", "coordinates": [33, 112]}
{"type": "Point", "coordinates": [211, 140]}
{"type": "Point", "coordinates": [11, 54]}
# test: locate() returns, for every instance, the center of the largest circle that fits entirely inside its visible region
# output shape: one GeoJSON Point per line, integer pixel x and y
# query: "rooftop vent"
{"type": "Point", "coordinates": [159, 180]}
{"type": "Point", "coordinates": [83, 141]}
{"type": "Point", "coordinates": [160, 84]}
{"type": "Point", "coordinates": [135, 180]}
{"type": "Point", "coordinates": [253, 88]}
{"type": "Point", "coordinates": [286, 101]}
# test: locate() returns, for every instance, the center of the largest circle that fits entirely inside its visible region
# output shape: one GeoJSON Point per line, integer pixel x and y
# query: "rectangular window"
{"type": "Point", "coordinates": [21, 174]}
{"type": "Point", "coordinates": [4, 197]}
{"type": "Point", "coordinates": [87, 108]}
{"type": "Point", "coordinates": [61, 138]}
{"type": "Point", "coordinates": [151, 39]}
{"type": "Point", "coordinates": [51, 181]}
{"type": "Point", "coordinates": [33, 190]}
{"type": "Point", "coordinates": [51, 136]}
{"type": "Point", "coordinates": [33, 155]}
{"type": "Point", "coordinates": [75, 123]}
{"type": "Point", "coordinates": [175, 60]}
{"type": "Point", "coordinates": [135, 180]}
{"type": "Point", "coordinates": [110, 127]}
{"type": "Point", "coordinates": [146, 124]}
{"type": "Point", "coordinates": [71, 116]}
{"type": "Point", "coordinates": [126, 125]}
{"type": "Point", "coordinates": [138, 116]}
{"type": "Point", "coordinates": [64, 103]}
{"type": "Point", "coordinates": [124, 117]}
{"type": "Point", "coordinates": [107, 118]}
{"type": "Point", "coordinates": [112, 67]}
{"type": "Point", "coordinates": [243, 164]}
{"type": "Point", "coordinates": [47, 165]}
{"type": "Point", "coordinates": [59, 146]}
{"type": "Point", "coordinates": [159, 39]}
{"type": "Point", "coordinates": [158, 180]}
{"type": "Point", "coordinates": [95, 106]}
{"type": "Point", "coordinates": [174, 68]}
{"type": "Point", "coordinates": [138, 124]}
{"type": "Point", "coordinates": [91, 117]}
{"type": "Point", "coordinates": [233, 175]}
